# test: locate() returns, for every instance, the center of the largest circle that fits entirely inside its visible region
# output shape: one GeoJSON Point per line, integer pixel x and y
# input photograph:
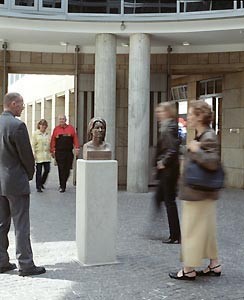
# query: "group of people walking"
{"type": "Point", "coordinates": [60, 146]}
{"type": "Point", "coordinates": [198, 227]}
{"type": "Point", "coordinates": [197, 235]}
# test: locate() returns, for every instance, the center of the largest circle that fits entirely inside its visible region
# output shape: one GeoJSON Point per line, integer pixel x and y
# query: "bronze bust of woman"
{"type": "Point", "coordinates": [96, 148]}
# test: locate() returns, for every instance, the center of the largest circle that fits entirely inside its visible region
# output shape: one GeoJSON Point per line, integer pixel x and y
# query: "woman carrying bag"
{"type": "Point", "coordinates": [199, 205]}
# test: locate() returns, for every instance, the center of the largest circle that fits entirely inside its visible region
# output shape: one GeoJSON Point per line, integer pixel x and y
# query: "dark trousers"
{"type": "Point", "coordinates": [166, 191]}
{"type": "Point", "coordinates": [42, 177]}
{"type": "Point", "coordinates": [64, 162]}
{"type": "Point", "coordinates": [16, 207]}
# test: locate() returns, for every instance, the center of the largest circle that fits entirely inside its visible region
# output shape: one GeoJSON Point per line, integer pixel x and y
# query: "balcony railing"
{"type": "Point", "coordinates": [119, 7]}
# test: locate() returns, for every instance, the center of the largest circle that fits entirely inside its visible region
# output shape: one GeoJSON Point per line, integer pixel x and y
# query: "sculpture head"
{"type": "Point", "coordinates": [96, 129]}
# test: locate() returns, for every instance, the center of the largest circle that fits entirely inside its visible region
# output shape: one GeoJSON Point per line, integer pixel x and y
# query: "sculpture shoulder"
{"type": "Point", "coordinates": [89, 146]}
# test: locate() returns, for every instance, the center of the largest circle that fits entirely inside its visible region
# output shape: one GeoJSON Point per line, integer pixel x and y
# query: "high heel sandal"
{"type": "Point", "coordinates": [211, 272]}
{"type": "Point", "coordinates": [183, 277]}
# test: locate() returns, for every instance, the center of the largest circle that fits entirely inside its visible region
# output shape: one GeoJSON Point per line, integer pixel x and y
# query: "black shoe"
{"type": "Point", "coordinates": [61, 190]}
{"type": "Point", "coordinates": [7, 268]}
{"type": "Point", "coordinates": [39, 190]}
{"type": "Point", "coordinates": [210, 272]}
{"type": "Point", "coordinates": [171, 241]}
{"type": "Point", "coordinates": [183, 277]}
{"type": "Point", "coordinates": [32, 271]}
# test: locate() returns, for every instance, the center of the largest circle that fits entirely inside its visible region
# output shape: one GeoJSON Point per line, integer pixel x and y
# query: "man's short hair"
{"type": "Point", "coordinates": [10, 97]}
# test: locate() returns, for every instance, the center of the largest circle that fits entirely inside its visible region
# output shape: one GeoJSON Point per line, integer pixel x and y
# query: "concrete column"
{"type": "Point", "coordinates": [105, 83]}
{"type": "Point", "coordinates": [42, 108]}
{"type": "Point", "coordinates": [48, 113]}
{"type": "Point", "coordinates": [53, 119]}
{"type": "Point", "coordinates": [37, 113]}
{"type": "Point", "coordinates": [33, 114]}
{"type": "Point", "coordinates": [72, 109]}
{"type": "Point", "coordinates": [2, 91]}
{"type": "Point", "coordinates": [138, 113]}
{"type": "Point", "coordinates": [66, 105]}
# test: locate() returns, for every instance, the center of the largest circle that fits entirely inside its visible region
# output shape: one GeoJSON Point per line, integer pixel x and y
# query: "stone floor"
{"type": "Point", "coordinates": [142, 271]}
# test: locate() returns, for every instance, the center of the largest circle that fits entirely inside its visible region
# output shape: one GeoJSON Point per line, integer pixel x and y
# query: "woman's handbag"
{"type": "Point", "coordinates": [203, 179]}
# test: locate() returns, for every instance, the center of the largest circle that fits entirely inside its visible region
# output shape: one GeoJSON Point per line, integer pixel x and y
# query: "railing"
{"type": "Point", "coordinates": [119, 7]}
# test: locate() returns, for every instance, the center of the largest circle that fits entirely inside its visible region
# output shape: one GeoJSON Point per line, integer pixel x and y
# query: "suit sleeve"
{"type": "Point", "coordinates": [24, 150]}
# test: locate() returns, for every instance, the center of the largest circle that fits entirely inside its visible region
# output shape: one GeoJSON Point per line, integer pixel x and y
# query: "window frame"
{"type": "Point", "coordinates": [64, 6]}
{"type": "Point", "coordinates": [20, 7]}
{"type": "Point", "coordinates": [5, 5]}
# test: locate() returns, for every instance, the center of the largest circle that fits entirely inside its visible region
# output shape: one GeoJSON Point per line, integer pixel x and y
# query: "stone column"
{"type": "Point", "coordinates": [138, 113]}
{"type": "Point", "coordinates": [66, 106]}
{"type": "Point", "coordinates": [53, 117]}
{"type": "Point", "coordinates": [105, 83]}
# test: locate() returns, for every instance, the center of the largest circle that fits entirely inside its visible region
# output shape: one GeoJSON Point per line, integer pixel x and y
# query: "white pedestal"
{"type": "Point", "coordinates": [96, 211]}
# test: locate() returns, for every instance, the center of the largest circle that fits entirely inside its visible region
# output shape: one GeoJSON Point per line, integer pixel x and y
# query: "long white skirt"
{"type": "Point", "coordinates": [198, 235]}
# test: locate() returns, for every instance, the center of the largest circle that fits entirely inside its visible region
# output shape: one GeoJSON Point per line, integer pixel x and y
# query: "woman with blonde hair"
{"type": "Point", "coordinates": [41, 150]}
{"type": "Point", "coordinates": [198, 235]}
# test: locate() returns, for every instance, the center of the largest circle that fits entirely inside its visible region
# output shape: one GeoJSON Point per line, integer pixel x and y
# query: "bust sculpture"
{"type": "Point", "coordinates": [96, 148]}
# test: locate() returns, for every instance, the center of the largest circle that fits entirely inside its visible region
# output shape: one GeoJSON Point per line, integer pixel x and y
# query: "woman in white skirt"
{"type": "Point", "coordinates": [198, 236]}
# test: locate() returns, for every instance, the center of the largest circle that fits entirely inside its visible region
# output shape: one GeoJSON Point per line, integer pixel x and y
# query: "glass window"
{"type": "Point", "coordinates": [195, 5]}
{"type": "Point", "coordinates": [94, 6]}
{"type": "Point", "coordinates": [202, 88]}
{"type": "Point", "coordinates": [148, 6]}
{"type": "Point", "coordinates": [239, 3]}
{"type": "Point", "coordinates": [2, 1]}
{"type": "Point", "coordinates": [220, 5]}
{"type": "Point", "coordinates": [168, 6]}
{"type": "Point", "coordinates": [210, 87]}
{"type": "Point", "coordinates": [218, 86]}
{"type": "Point", "coordinates": [175, 93]}
{"type": "Point", "coordinates": [179, 92]}
{"type": "Point", "coordinates": [25, 3]}
{"type": "Point", "coordinates": [183, 92]}
{"type": "Point", "coordinates": [52, 3]}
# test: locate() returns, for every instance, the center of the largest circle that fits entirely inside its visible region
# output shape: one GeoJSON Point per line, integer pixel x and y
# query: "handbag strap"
{"type": "Point", "coordinates": [198, 138]}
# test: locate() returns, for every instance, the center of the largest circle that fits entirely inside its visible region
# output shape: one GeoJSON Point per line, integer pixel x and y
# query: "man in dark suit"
{"type": "Point", "coordinates": [16, 169]}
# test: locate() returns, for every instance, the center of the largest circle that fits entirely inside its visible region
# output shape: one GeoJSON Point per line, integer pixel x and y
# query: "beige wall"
{"type": "Point", "coordinates": [233, 128]}
{"type": "Point", "coordinates": [196, 66]}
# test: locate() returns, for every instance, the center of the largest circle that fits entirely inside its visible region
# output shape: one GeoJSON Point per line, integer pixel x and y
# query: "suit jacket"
{"type": "Point", "coordinates": [17, 163]}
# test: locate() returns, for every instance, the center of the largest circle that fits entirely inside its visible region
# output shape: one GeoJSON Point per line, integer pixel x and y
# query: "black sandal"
{"type": "Point", "coordinates": [183, 277]}
{"type": "Point", "coordinates": [211, 272]}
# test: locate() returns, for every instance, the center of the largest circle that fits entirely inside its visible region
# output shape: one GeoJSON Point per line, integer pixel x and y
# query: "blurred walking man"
{"type": "Point", "coordinates": [16, 169]}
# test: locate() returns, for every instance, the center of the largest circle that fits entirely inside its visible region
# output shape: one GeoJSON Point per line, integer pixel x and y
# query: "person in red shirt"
{"type": "Point", "coordinates": [64, 139]}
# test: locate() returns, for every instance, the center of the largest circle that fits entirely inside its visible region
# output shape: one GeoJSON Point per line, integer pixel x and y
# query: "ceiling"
{"type": "Point", "coordinates": [45, 35]}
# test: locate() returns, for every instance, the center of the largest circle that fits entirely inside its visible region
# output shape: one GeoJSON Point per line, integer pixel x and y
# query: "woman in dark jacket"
{"type": "Point", "coordinates": [199, 206]}
{"type": "Point", "coordinates": [167, 163]}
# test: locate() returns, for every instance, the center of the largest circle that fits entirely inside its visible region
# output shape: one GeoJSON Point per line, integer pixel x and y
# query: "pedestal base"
{"type": "Point", "coordinates": [96, 211]}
